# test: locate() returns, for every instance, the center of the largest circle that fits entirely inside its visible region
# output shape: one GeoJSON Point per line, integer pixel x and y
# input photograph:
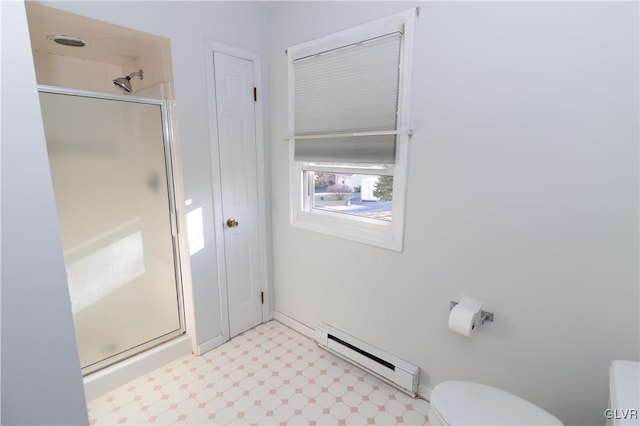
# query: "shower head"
{"type": "Point", "coordinates": [125, 82]}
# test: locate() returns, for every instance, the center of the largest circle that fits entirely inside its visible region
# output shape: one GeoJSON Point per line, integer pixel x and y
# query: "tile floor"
{"type": "Point", "coordinates": [267, 375]}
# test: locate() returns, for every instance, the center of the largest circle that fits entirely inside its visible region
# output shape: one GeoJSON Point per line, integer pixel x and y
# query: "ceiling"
{"type": "Point", "coordinates": [108, 43]}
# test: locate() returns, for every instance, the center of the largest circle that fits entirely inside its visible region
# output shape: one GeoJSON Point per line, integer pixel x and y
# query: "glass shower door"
{"type": "Point", "coordinates": [112, 183]}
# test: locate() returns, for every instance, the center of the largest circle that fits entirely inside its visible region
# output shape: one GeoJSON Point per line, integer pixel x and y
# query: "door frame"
{"type": "Point", "coordinates": [210, 48]}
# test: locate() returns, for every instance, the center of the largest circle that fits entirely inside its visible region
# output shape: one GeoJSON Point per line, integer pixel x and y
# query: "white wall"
{"type": "Point", "coordinates": [41, 379]}
{"type": "Point", "coordinates": [188, 24]}
{"type": "Point", "coordinates": [523, 193]}
{"type": "Point", "coordinates": [78, 73]}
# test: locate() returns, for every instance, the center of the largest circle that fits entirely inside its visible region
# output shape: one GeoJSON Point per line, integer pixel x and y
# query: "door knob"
{"type": "Point", "coordinates": [232, 223]}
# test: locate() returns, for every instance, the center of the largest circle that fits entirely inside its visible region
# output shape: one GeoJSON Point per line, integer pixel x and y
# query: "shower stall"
{"type": "Point", "coordinates": [111, 167]}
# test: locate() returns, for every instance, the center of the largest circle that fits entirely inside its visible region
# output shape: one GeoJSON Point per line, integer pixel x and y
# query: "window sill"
{"type": "Point", "coordinates": [382, 235]}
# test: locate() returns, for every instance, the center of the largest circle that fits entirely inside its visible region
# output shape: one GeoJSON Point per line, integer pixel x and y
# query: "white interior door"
{"type": "Point", "coordinates": [235, 104]}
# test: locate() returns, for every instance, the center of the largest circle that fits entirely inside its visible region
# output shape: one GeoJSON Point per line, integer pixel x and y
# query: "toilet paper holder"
{"type": "Point", "coordinates": [484, 315]}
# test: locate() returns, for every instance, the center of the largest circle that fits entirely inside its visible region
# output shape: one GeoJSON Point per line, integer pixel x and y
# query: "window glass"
{"type": "Point", "coordinates": [363, 195]}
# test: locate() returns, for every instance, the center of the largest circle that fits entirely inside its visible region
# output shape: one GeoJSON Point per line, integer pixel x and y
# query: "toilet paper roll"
{"type": "Point", "coordinates": [463, 316]}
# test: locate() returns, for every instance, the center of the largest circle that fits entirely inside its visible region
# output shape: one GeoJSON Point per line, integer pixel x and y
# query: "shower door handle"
{"type": "Point", "coordinates": [232, 223]}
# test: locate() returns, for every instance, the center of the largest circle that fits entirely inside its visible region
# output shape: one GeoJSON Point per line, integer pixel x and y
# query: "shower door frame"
{"type": "Point", "coordinates": [173, 219]}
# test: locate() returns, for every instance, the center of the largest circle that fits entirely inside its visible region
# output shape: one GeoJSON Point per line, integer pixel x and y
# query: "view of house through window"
{"type": "Point", "coordinates": [362, 195]}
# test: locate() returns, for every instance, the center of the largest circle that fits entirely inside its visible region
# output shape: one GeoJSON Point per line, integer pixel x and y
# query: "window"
{"type": "Point", "coordinates": [349, 131]}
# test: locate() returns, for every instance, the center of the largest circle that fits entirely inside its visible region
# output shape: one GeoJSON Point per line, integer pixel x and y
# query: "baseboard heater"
{"type": "Point", "coordinates": [389, 368]}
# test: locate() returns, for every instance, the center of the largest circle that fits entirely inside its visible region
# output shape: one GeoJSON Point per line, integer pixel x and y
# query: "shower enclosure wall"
{"type": "Point", "coordinates": [110, 159]}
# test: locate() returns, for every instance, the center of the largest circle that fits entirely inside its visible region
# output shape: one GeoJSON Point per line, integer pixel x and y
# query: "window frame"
{"type": "Point", "coordinates": [389, 235]}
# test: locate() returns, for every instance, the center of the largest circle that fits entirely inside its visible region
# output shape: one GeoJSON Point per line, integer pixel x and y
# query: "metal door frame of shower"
{"type": "Point", "coordinates": [173, 218]}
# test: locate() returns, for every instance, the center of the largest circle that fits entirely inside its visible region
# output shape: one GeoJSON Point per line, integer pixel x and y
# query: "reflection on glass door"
{"type": "Point", "coordinates": [111, 178]}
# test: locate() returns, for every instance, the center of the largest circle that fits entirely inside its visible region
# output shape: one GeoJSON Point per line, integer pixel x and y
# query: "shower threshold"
{"type": "Point", "coordinates": [109, 378]}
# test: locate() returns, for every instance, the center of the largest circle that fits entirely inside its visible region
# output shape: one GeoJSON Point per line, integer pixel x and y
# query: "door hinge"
{"type": "Point", "coordinates": [255, 94]}
{"type": "Point", "coordinates": [262, 297]}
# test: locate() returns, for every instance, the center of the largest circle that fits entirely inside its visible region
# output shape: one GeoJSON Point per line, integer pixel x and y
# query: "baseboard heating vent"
{"type": "Point", "coordinates": [390, 368]}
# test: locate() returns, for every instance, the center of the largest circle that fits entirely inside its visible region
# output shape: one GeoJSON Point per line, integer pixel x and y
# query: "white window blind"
{"type": "Point", "coordinates": [344, 91]}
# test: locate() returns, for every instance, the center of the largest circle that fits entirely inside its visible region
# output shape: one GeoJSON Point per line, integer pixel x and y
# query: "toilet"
{"type": "Point", "coordinates": [624, 393]}
{"type": "Point", "coordinates": [467, 403]}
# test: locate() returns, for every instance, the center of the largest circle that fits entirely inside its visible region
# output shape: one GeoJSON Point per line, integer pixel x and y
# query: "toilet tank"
{"type": "Point", "coordinates": [624, 393]}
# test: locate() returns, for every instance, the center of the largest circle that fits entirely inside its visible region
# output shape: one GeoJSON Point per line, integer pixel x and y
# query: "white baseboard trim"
{"type": "Point", "coordinates": [205, 347]}
{"type": "Point", "coordinates": [424, 392]}
{"type": "Point", "coordinates": [295, 325]}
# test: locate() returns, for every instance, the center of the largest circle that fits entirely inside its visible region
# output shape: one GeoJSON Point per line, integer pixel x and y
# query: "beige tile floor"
{"type": "Point", "coordinates": [267, 375]}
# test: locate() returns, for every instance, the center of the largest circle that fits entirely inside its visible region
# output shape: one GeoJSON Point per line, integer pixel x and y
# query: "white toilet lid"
{"type": "Point", "coordinates": [466, 403]}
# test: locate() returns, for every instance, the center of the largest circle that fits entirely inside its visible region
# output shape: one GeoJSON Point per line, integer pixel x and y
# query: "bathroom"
{"type": "Point", "coordinates": [522, 191]}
